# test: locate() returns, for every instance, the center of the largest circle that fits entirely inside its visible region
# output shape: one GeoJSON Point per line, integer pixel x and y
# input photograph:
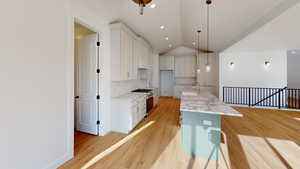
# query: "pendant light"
{"type": "Point", "coordinates": [198, 51]}
{"type": "Point", "coordinates": [207, 65]}
{"type": "Point", "coordinates": [142, 4]}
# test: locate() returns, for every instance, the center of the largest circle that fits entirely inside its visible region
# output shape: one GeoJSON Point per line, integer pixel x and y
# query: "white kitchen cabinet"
{"type": "Point", "coordinates": [185, 66]}
{"type": "Point", "coordinates": [166, 62]}
{"type": "Point", "coordinates": [128, 53]}
{"type": "Point", "coordinates": [180, 66]}
{"type": "Point", "coordinates": [128, 111]}
{"type": "Point", "coordinates": [122, 58]}
{"type": "Point", "coordinates": [144, 55]}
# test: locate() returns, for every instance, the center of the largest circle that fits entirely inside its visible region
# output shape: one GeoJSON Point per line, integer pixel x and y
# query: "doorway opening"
{"type": "Point", "coordinates": [86, 81]}
{"type": "Point", "coordinates": [167, 83]}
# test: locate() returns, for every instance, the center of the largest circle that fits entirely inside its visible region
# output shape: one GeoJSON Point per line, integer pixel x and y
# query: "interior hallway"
{"type": "Point", "coordinates": [262, 139]}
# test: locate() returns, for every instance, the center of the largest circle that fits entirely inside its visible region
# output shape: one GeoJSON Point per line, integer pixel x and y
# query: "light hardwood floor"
{"type": "Point", "coordinates": [262, 139]}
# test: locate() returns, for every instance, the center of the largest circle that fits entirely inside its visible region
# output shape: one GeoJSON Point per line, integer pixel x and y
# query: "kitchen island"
{"type": "Point", "coordinates": [201, 114]}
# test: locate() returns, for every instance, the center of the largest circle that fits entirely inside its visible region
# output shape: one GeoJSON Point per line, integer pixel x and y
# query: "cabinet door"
{"type": "Point", "coordinates": [166, 62]}
{"type": "Point", "coordinates": [135, 58]}
{"type": "Point", "coordinates": [180, 66]}
{"type": "Point", "coordinates": [185, 66]}
{"type": "Point", "coordinates": [124, 56]}
{"type": "Point", "coordinates": [142, 108]}
{"type": "Point", "coordinates": [116, 55]}
{"type": "Point", "coordinates": [139, 51]}
{"type": "Point", "coordinates": [128, 71]}
{"type": "Point", "coordinates": [143, 55]}
{"type": "Point", "coordinates": [163, 63]}
{"type": "Point", "coordinates": [130, 65]}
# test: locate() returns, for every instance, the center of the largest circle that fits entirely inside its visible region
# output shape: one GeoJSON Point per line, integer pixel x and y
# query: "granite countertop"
{"type": "Point", "coordinates": [204, 102]}
{"type": "Point", "coordinates": [131, 96]}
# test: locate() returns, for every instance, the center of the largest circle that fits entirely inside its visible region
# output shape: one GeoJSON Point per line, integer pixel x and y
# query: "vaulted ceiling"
{"type": "Point", "coordinates": [230, 21]}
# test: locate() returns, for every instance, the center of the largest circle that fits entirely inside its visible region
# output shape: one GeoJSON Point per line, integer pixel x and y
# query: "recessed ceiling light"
{"type": "Point", "coordinates": [194, 43]}
{"type": "Point", "coordinates": [170, 45]}
{"type": "Point", "coordinates": [167, 38]}
{"type": "Point", "coordinates": [162, 27]}
{"type": "Point", "coordinates": [152, 6]}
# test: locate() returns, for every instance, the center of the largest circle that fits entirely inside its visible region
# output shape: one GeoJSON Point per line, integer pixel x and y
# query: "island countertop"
{"type": "Point", "coordinates": [204, 102]}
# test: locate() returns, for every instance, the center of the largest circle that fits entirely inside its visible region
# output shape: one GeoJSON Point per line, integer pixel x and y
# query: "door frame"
{"type": "Point", "coordinates": [70, 77]}
{"type": "Point", "coordinates": [98, 53]}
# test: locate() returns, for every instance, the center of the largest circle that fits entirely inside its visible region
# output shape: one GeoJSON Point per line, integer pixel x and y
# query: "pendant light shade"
{"type": "Point", "coordinates": [207, 68]}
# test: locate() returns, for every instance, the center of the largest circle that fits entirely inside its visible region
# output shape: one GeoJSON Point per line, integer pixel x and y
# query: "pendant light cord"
{"type": "Point", "coordinates": [207, 55]}
{"type": "Point", "coordinates": [198, 45]}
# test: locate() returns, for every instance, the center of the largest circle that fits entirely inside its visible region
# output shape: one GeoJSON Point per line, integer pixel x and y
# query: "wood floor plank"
{"type": "Point", "coordinates": [262, 139]}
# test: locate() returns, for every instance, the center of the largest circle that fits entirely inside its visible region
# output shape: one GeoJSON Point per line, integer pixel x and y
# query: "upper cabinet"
{"type": "Point", "coordinates": [143, 51]}
{"type": "Point", "coordinates": [128, 53]}
{"type": "Point", "coordinates": [185, 66]}
{"type": "Point", "coordinates": [166, 62]}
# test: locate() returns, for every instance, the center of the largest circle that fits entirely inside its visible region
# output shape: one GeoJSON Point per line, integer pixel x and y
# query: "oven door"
{"type": "Point", "coordinates": [149, 103]}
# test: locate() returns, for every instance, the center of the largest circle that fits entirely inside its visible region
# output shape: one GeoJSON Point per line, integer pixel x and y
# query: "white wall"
{"type": "Point", "coordinates": [249, 69]}
{"type": "Point", "coordinates": [270, 42]}
{"type": "Point", "coordinates": [155, 71]}
{"type": "Point", "coordinates": [280, 33]}
{"type": "Point", "coordinates": [293, 69]}
{"type": "Point", "coordinates": [211, 78]}
{"type": "Point", "coordinates": [33, 103]}
{"type": "Point", "coordinates": [37, 78]}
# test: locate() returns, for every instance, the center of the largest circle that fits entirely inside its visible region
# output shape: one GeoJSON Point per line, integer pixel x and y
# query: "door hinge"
{"type": "Point", "coordinates": [98, 97]}
{"type": "Point", "coordinates": [98, 122]}
{"type": "Point", "coordinates": [98, 70]}
{"type": "Point", "coordinates": [98, 43]}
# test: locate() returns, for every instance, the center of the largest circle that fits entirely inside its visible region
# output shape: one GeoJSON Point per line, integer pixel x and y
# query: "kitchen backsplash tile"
{"type": "Point", "coordinates": [123, 87]}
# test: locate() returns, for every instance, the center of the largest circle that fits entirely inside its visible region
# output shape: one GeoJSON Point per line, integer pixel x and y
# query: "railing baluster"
{"type": "Point", "coordinates": [298, 98]}
{"type": "Point", "coordinates": [235, 96]}
{"type": "Point", "coordinates": [269, 97]}
{"type": "Point", "coordinates": [223, 94]}
{"type": "Point", "coordinates": [279, 95]}
{"type": "Point", "coordinates": [294, 99]}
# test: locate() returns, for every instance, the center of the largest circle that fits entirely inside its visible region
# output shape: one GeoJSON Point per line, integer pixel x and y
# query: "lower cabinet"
{"type": "Point", "coordinates": [128, 111]}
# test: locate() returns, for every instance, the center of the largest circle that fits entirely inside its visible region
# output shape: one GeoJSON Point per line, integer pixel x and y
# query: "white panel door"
{"type": "Point", "coordinates": [86, 93]}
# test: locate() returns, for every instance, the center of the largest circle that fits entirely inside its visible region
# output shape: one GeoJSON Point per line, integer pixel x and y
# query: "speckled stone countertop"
{"type": "Point", "coordinates": [204, 102]}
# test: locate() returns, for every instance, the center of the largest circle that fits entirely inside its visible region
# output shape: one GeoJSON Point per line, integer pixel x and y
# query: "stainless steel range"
{"type": "Point", "coordinates": [149, 93]}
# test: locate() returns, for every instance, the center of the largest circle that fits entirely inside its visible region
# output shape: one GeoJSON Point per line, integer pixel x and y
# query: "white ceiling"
{"type": "Point", "coordinates": [230, 20]}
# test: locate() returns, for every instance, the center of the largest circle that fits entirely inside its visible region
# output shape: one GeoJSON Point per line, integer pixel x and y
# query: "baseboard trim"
{"type": "Point", "coordinates": [57, 163]}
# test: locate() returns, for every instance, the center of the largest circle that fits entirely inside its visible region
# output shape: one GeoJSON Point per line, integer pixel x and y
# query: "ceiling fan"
{"type": "Point", "coordinates": [142, 4]}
